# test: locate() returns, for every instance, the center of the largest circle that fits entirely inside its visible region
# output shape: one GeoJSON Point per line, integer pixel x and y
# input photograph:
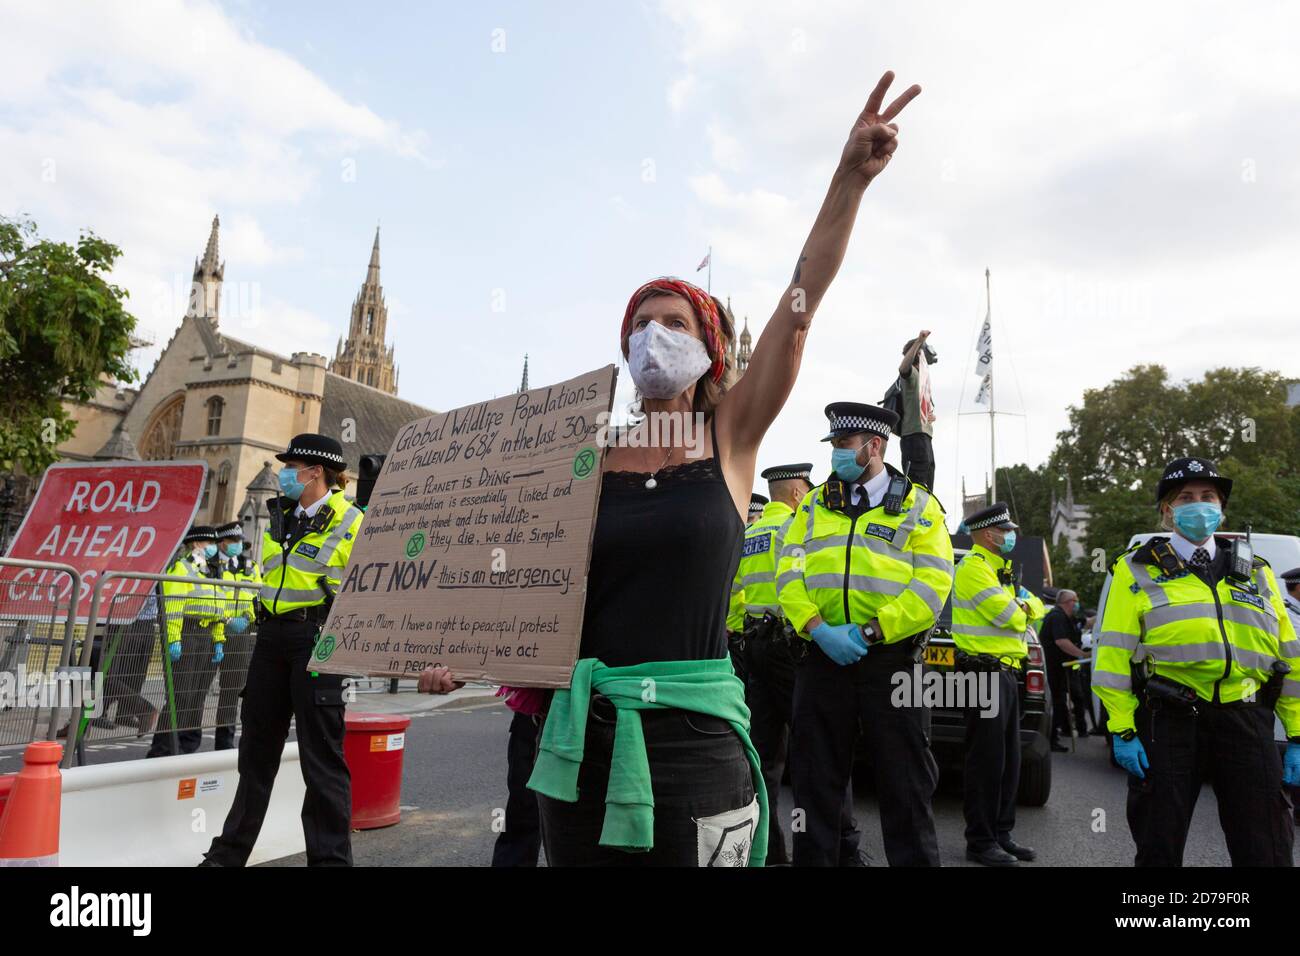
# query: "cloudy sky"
{"type": "Point", "coordinates": [1129, 172]}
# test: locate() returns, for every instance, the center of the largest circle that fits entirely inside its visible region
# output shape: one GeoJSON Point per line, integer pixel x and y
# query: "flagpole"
{"type": "Point", "coordinates": [993, 461]}
{"type": "Point", "coordinates": [710, 286]}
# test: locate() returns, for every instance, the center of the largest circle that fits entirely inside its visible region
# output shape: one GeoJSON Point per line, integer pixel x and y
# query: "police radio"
{"type": "Point", "coordinates": [894, 495]}
{"type": "Point", "coordinates": [1241, 557]}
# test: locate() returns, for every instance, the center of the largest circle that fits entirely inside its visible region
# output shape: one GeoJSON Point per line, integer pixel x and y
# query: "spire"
{"type": "Point", "coordinates": [523, 386]}
{"type": "Point", "coordinates": [210, 253]}
{"type": "Point", "coordinates": [372, 272]}
{"type": "Point", "coordinates": [205, 290]}
{"type": "Point", "coordinates": [119, 446]}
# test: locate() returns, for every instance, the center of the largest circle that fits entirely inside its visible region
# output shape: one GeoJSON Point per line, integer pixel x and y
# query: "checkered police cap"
{"type": "Point", "coordinates": [782, 472]}
{"type": "Point", "coordinates": [200, 532]}
{"type": "Point", "coordinates": [315, 450]}
{"type": "Point", "coordinates": [848, 418]}
{"type": "Point", "coordinates": [232, 530]}
{"type": "Point", "coordinates": [997, 514]}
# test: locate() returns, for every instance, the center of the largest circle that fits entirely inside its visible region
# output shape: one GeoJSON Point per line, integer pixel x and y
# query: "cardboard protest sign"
{"type": "Point", "coordinates": [473, 553]}
{"type": "Point", "coordinates": [100, 516]}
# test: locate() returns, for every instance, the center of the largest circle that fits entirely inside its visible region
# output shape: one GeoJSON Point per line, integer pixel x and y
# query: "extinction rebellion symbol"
{"type": "Point", "coordinates": [324, 647]}
{"type": "Point", "coordinates": [584, 463]}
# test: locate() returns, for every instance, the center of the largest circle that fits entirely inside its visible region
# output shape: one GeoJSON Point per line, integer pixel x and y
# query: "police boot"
{"type": "Point", "coordinates": [993, 856]}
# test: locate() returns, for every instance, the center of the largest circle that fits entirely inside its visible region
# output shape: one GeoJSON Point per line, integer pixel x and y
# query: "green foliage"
{"type": "Point", "coordinates": [63, 329]}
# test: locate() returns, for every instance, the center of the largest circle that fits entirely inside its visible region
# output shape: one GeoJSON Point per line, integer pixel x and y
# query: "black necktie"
{"type": "Point", "coordinates": [1200, 559]}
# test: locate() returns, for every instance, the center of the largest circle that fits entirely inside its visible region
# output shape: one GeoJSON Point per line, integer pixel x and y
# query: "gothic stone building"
{"type": "Point", "coordinates": [236, 405]}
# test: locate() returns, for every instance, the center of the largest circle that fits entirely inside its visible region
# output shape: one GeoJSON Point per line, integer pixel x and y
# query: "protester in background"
{"type": "Point", "coordinates": [309, 538]}
{"type": "Point", "coordinates": [1216, 657]}
{"type": "Point", "coordinates": [131, 648]}
{"type": "Point", "coordinates": [520, 841]}
{"type": "Point", "coordinates": [653, 658]}
{"type": "Point", "coordinates": [1058, 640]}
{"type": "Point", "coordinates": [916, 444]}
{"type": "Point", "coordinates": [195, 641]}
{"type": "Point", "coordinates": [1080, 677]}
{"type": "Point", "coordinates": [236, 565]}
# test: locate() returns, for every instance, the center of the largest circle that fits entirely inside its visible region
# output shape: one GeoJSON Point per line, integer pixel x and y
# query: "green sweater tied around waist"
{"type": "Point", "coordinates": [705, 687]}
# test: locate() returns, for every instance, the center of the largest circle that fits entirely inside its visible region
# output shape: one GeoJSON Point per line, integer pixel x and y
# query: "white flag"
{"type": "Point", "coordinates": [984, 367]}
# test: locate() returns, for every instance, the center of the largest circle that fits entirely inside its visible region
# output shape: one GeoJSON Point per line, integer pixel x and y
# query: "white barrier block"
{"type": "Point", "coordinates": [166, 810]}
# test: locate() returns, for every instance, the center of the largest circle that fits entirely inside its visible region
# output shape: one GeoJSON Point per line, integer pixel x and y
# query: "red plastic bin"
{"type": "Point", "coordinates": [373, 746]}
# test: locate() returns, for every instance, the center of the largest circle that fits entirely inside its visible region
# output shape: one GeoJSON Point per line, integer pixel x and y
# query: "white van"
{"type": "Point", "coordinates": [1281, 551]}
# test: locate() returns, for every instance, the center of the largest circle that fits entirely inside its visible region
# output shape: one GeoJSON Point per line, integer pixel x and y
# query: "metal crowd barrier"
{"type": "Point", "coordinates": [145, 692]}
{"type": "Point", "coordinates": [34, 643]}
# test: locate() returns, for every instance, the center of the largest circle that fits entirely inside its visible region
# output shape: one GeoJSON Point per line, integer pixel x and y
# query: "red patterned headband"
{"type": "Point", "coordinates": [705, 310]}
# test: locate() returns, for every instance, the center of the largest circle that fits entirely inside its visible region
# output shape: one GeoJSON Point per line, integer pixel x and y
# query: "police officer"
{"type": "Point", "coordinates": [1291, 581]}
{"type": "Point", "coordinates": [236, 565]}
{"type": "Point", "coordinates": [769, 658]}
{"type": "Point", "coordinates": [194, 611]}
{"type": "Point", "coordinates": [864, 573]}
{"type": "Point", "coordinates": [736, 605]}
{"type": "Point", "coordinates": [1195, 653]}
{"type": "Point", "coordinates": [990, 616]}
{"type": "Point", "coordinates": [311, 533]}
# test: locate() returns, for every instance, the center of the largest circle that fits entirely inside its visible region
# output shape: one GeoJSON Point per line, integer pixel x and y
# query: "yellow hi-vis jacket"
{"type": "Point", "coordinates": [312, 571]}
{"type": "Point", "coordinates": [1221, 641]}
{"type": "Point", "coordinates": [201, 599]}
{"type": "Point", "coordinates": [240, 601]}
{"type": "Point", "coordinates": [758, 559]}
{"type": "Point", "coordinates": [856, 565]}
{"type": "Point", "coordinates": [736, 606]}
{"type": "Point", "coordinates": [986, 617]}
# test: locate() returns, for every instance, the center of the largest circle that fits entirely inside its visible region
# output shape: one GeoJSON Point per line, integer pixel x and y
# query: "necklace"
{"type": "Point", "coordinates": [650, 482]}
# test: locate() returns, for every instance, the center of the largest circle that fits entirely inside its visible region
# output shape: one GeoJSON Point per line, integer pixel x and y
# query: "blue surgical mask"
{"type": "Point", "coordinates": [234, 548]}
{"type": "Point", "coordinates": [1008, 543]}
{"type": "Point", "coordinates": [844, 462]}
{"type": "Point", "coordinates": [210, 551]}
{"type": "Point", "coordinates": [1198, 520]}
{"type": "Point", "coordinates": [289, 483]}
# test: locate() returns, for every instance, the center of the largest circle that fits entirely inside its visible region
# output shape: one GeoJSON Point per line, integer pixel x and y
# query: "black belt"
{"type": "Point", "coordinates": [982, 663]}
{"type": "Point", "coordinates": [314, 614]}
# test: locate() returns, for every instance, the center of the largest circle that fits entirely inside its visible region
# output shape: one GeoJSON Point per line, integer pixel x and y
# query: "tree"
{"type": "Point", "coordinates": [63, 330]}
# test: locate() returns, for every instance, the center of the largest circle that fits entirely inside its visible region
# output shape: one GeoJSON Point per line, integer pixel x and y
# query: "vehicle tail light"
{"type": "Point", "coordinates": [1034, 682]}
{"type": "Point", "coordinates": [1035, 655]}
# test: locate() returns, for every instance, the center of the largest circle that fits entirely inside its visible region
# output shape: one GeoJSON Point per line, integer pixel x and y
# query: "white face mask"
{"type": "Point", "coordinates": [663, 362]}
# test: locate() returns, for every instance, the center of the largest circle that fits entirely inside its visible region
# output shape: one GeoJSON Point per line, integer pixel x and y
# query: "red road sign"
{"type": "Point", "coordinates": [97, 517]}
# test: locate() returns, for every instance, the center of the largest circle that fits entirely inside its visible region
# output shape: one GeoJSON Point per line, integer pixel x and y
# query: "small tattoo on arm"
{"type": "Point", "coordinates": [798, 268]}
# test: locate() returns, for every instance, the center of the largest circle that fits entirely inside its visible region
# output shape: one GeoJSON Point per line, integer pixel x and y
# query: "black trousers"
{"type": "Point", "coordinates": [520, 842]}
{"type": "Point", "coordinates": [832, 705]}
{"type": "Point", "coordinates": [231, 674]}
{"type": "Point", "coordinates": [1080, 683]}
{"type": "Point", "coordinates": [1059, 685]}
{"type": "Point", "coordinates": [917, 451]}
{"type": "Point", "coordinates": [280, 687]}
{"type": "Point", "coordinates": [133, 647]}
{"type": "Point", "coordinates": [992, 770]}
{"type": "Point", "coordinates": [191, 679]}
{"type": "Point", "coordinates": [698, 768]}
{"type": "Point", "coordinates": [736, 651]}
{"type": "Point", "coordinates": [770, 695]}
{"type": "Point", "coordinates": [1233, 748]}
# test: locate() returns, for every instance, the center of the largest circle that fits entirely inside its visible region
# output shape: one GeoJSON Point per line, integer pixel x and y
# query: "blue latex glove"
{"type": "Point", "coordinates": [1132, 756]}
{"type": "Point", "coordinates": [842, 643]}
{"type": "Point", "coordinates": [1023, 594]}
{"type": "Point", "coordinates": [174, 651]}
{"type": "Point", "coordinates": [218, 653]}
{"type": "Point", "coordinates": [237, 625]}
{"type": "Point", "coordinates": [1291, 766]}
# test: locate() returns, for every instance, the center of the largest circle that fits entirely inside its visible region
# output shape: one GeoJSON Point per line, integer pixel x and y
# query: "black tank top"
{"type": "Point", "coordinates": [662, 562]}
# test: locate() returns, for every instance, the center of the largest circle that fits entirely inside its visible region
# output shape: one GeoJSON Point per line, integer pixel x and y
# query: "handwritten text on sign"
{"type": "Point", "coordinates": [474, 551]}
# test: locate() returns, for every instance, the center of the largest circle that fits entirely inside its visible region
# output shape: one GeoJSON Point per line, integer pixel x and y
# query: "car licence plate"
{"type": "Point", "coordinates": [942, 656]}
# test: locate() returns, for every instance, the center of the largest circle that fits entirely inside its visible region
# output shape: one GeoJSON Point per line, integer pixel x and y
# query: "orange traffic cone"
{"type": "Point", "coordinates": [29, 826]}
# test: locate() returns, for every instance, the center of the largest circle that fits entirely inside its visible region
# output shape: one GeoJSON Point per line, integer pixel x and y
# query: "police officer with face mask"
{"type": "Point", "coordinates": [864, 572]}
{"type": "Point", "coordinates": [236, 565]}
{"type": "Point", "coordinates": [306, 547]}
{"type": "Point", "coordinates": [1195, 654]}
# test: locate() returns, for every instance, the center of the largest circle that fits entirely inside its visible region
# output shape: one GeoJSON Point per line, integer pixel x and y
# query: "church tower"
{"type": "Point", "coordinates": [742, 356]}
{"type": "Point", "coordinates": [205, 290]}
{"type": "Point", "coordinates": [363, 356]}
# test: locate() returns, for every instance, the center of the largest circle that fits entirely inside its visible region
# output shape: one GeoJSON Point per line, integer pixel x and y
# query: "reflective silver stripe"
{"type": "Point", "coordinates": [757, 577]}
{"type": "Point", "coordinates": [1128, 642]}
{"type": "Point", "coordinates": [758, 609]}
{"type": "Point", "coordinates": [927, 594]}
{"type": "Point", "coordinates": [1180, 653]}
{"type": "Point", "coordinates": [787, 578]}
{"type": "Point", "coordinates": [1142, 576]}
{"type": "Point", "coordinates": [918, 508]}
{"type": "Point", "coordinates": [965, 630]}
{"type": "Point", "coordinates": [1171, 614]}
{"type": "Point", "coordinates": [292, 596]}
{"type": "Point", "coordinates": [821, 544]}
{"type": "Point", "coordinates": [1251, 617]}
{"type": "Point", "coordinates": [1291, 688]}
{"type": "Point", "coordinates": [1261, 580]}
{"type": "Point", "coordinates": [1113, 681]}
{"type": "Point", "coordinates": [1253, 658]}
{"type": "Point", "coordinates": [336, 536]}
{"type": "Point", "coordinates": [793, 550]}
{"type": "Point", "coordinates": [1006, 614]}
{"type": "Point", "coordinates": [273, 561]}
{"type": "Point", "coordinates": [1289, 648]}
{"type": "Point", "coordinates": [936, 562]}
{"type": "Point", "coordinates": [857, 582]}
{"type": "Point", "coordinates": [735, 586]}
{"type": "Point", "coordinates": [983, 596]}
